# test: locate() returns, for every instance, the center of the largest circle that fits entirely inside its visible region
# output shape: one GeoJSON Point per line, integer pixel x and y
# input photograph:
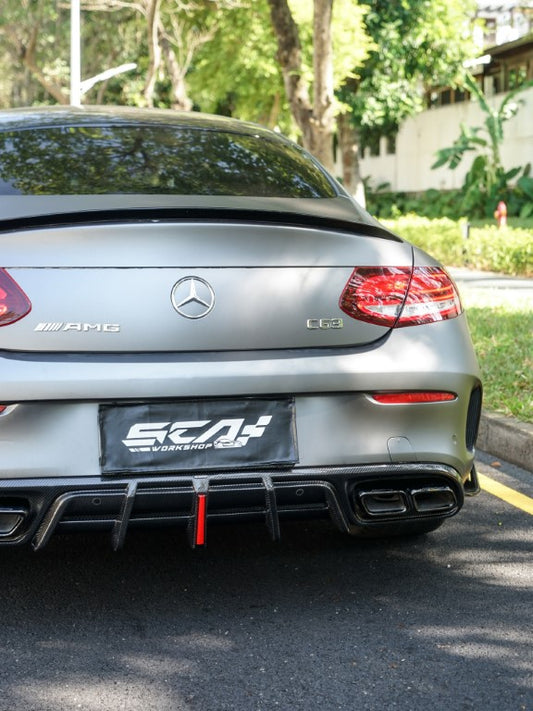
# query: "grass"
{"type": "Point", "coordinates": [501, 324]}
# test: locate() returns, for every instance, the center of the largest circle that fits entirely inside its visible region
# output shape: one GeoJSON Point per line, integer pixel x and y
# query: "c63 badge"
{"type": "Point", "coordinates": [324, 324]}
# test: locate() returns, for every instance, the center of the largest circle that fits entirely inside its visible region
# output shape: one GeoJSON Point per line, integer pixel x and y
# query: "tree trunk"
{"type": "Point", "coordinates": [27, 54]}
{"type": "Point", "coordinates": [314, 119]}
{"type": "Point", "coordinates": [154, 50]}
{"type": "Point", "coordinates": [180, 97]}
{"type": "Point", "coordinates": [351, 168]}
{"type": "Point", "coordinates": [273, 116]}
{"type": "Point", "coordinates": [323, 119]}
{"type": "Point", "coordinates": [289, 57]}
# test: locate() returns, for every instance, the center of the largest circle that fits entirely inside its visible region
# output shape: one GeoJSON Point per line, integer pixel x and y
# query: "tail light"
{"type": "Point", "coordinates": [14, 304]}
{"type": "Point", "coordinates": [6, 409]}
{"type": "Point", "coordinates": [414, 397]}
{"type": "Point", "coordinates": [400, 296]}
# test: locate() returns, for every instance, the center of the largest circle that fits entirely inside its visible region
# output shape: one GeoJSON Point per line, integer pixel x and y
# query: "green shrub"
{"type": "Point", "coordinates": [432, 203]}
{"type": "Point", "coordinates": [453, 204]}
{"type": "Point", "coordinates": [509, 251]}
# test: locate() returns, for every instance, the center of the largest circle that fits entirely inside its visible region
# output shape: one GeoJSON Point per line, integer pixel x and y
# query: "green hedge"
{"type": "Point", "coordinates": [434, 204]}
{"type": "Point", "coordinates": [509, 251]}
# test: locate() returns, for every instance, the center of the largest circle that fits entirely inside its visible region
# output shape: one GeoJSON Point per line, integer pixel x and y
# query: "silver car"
{"type": "Point", "coordinates": [198, 324]}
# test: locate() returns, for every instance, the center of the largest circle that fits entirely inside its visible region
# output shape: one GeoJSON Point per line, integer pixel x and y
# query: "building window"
{"type": "Point", "coordinates": [517, 77]}
{"type": "Point", "coordinates": [373, 144]}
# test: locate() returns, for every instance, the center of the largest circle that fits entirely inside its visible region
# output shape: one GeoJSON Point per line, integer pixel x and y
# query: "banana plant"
{"type": "Point", "coordinates": [487, 181]}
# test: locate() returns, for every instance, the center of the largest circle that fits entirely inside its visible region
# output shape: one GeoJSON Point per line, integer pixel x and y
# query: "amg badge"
{"type": "Point", "coordinates": [78, 327]}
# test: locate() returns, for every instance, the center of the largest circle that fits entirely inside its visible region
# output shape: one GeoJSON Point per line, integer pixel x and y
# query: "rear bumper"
{"type": "Point", "coordinates": [31, 510]}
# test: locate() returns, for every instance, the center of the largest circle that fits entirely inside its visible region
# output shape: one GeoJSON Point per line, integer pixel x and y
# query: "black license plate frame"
{"type": "Point", "coordinates": [197, 435]}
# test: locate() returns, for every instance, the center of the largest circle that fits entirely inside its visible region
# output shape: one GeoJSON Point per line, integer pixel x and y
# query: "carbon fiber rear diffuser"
{"type": "Point", "coordinates": [197, 521]}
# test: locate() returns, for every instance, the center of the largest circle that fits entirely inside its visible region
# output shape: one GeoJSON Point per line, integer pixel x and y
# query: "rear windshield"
{"type": "Point", "coordinates": [107, 160]}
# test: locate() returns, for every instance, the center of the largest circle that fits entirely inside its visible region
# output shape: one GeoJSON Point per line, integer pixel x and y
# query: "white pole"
{"type": "Point", "coordinates": [75, 53]}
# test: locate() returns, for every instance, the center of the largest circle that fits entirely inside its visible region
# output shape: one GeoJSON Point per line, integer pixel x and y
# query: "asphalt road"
{"type": "Point", "coordinates": [319, 621]}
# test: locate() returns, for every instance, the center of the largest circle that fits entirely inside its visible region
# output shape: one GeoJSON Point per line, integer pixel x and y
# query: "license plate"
{"type": "Point", "coordinates": [197, 435]}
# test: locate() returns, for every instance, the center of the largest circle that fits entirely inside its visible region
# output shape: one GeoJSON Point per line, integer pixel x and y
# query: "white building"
{"type": "Point", "coordinates": [406, 166]}
{"type": "Point", "coordinates": [502, 21]}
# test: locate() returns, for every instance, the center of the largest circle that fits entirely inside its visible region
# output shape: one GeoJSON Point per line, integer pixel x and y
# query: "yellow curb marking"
{"type": "Point", "coordinates": [515, 498]}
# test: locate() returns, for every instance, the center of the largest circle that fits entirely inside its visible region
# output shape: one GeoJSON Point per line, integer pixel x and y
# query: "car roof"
{"type": "Point", "coordinates": [46, 116]}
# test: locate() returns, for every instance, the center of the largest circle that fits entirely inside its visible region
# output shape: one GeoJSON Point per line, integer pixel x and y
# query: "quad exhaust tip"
{"type": "Point", "coordinates": [379, 502]}
{"type": "Point", "coordinates": [11, 518]}
{"type": "Point", "coordinates": [425, 501]}
{"type": "Point", "coordinates": [434, 499]}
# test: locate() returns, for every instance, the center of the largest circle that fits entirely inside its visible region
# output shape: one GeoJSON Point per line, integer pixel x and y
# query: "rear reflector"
{"type": "Point", "coordinates": [201, 520]}
{"type": "Point", "coordinates": [407, 398]}
{"type": "Point", "coordinates": [14, 304]}
{"type": "Point", "coordinates": [400, 296]}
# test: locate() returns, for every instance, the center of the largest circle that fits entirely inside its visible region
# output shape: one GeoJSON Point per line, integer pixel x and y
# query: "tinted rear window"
{"type": "Point", "coordinates": [105, 160]}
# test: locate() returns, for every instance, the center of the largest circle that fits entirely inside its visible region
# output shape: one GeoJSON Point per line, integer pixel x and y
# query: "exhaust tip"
{"type": "Point", "coordinates": [11, 519]}
{"type": "Point", "coordinates": [434, 499]}
{"type": "Point", "coordinates": [387, 503]}
{"type": "Point", "coordinates": [383, 502]}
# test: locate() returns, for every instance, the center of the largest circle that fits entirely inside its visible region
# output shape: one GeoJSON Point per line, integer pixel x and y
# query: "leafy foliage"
{"type": "Point", "coordinates": [434, 203]}
{"type": "Point", "coordinates": [35, 49]}
{"type": "Point", "coordinates": [416, 43]}
{"type": "Point", "coordinates": [351, 41]}
{"type": "Point", "coordinates": [524, 194]}
{"type": "Point", "coordinates": [27, 42]}
{"type": "Point", "coordinates": [225, 51]}
{"type": "Point", "coordinates": [387, 204]}
{"type": "Point", "coordinates": [250, 87]}
{"type": "Point", "coordinates": [487, 182]}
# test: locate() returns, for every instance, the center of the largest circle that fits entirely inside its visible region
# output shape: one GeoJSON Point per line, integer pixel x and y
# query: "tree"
{"type": "Point", "coordinates": [161, 36]}
{"type": "Point", "coordinates": [311, 93]}
{"type": "Point", "coordinates": [27, 35]}
{"type": "Point", "coordinates": [34, 38]}
{"type": "Point", "coordinates": [416, 44]}
{"type": "Point", "coordinates": [250, 86]}
{"type": "Point", "coordinates": [150, 12]}
{"type": "Point", "coordinates": [174, 32]}
{"type": "Point", "coordinates": [411, 45]}
{"type": "Point", "coordinates": [185, 27]}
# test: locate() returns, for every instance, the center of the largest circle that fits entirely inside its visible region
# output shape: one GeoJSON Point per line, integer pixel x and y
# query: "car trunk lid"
{"type": "Point", "coordinates": [189, 285]}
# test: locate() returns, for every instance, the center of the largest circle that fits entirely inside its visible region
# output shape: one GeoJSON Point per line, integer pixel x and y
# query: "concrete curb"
{"type": "Point", "coordinates": [506, 438]}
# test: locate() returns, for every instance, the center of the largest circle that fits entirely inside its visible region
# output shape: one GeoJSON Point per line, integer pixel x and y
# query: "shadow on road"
{"type": "Point", "coordinates": [319, 621]}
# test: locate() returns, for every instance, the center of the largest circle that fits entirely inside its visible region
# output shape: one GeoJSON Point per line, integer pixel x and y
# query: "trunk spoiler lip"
{"type": "Point", "coordinates": [336, 214]}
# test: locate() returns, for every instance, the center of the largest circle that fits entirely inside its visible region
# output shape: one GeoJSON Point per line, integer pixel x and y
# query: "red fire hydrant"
{"type": "Point", "coordinates": [501, 214]}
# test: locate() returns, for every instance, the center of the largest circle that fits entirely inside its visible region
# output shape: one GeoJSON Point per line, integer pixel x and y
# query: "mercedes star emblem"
{"type": "Point", "coordinates": [193, 297]}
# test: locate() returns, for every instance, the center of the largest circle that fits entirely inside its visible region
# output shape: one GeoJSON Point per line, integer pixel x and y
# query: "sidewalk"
{"type": "Point", "coordinates": [503, 437]}
{"type": "Point", "coordinates": [506, 438]}
{"type": "Point", "coordinates": [473, 279]}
